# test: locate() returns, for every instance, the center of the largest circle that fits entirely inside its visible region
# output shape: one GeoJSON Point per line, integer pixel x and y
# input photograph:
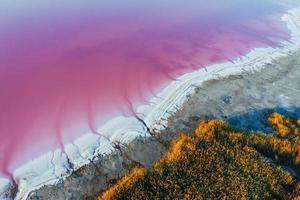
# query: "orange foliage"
{"type": "Point", "coordinates": [296, 132]}
{"type": "Point", "coordinates": [297, 152]}
{"type": "Point", "coordinates": [282, 146]}
{"type": "Point", "coordinates": [234, 137]}
{"type": "Point", "coordinates": [206, 129]}
{"type": "Point", "coordinates": [125, 182]}
{"type": "Point", "coordinates": [275, 118]}
{"type": "Point", "coordinates": [289, 141]}
{"type": "Point", "coordinates": [177, 145]}
{"type": "Point", "coordinates": [279, 123]}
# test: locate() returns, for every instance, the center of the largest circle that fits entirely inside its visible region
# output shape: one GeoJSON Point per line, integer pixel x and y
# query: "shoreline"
{"type": "Point", "coordinates": [174, 94]}
{"type": "Point", "coordinates": [145, 151]}
{"type": "Point", "coordinates": [154, 117]}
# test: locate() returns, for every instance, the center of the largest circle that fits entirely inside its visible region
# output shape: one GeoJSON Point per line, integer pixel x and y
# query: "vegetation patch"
{"type": "Point", "coordinates": [219, 162]}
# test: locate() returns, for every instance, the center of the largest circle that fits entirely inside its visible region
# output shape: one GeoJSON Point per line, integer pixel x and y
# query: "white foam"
{"type": "Point", "coordinates": [55, 166]}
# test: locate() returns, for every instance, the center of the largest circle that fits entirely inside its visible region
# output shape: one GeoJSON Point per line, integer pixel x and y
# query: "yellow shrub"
{"type": "Point", "coordinates": [280, 124]}
{"type": "Point", "coordinates": [206, 129]}
{"type": "Point", "coordinates": [296, 132]}
{"type": "Point", "coordinates": [176, 148]}
{"type": "Point", "coordinates": [297, 159]}
{"type": "Point", "coordinates": [125, 182]}
{"type": "Point", "coordinates": [275, 118]}
{"type": "Point", "coordinates": [283, 130]}
{"type": "Point", "coordinates": [285, 147]}
{"type": "Point", "coordinates": [235, 137]}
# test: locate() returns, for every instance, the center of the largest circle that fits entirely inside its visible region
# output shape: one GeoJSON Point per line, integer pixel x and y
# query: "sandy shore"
{"type": "Point", "coordinates": [266, 79]}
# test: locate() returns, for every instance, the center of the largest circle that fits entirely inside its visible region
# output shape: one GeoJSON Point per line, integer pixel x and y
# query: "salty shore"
{"type": "Point", "coordinates": [266, 78]}
{"type": "Point", "coordinates": [243, 99]}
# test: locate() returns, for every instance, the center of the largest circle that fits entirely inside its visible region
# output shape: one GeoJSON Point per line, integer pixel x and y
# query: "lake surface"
{"type": "Point", "coordinates": [68, 66]}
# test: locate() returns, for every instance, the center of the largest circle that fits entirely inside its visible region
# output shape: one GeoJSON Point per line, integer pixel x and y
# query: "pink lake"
{"type": "Point", "coordinates": [69, 66]}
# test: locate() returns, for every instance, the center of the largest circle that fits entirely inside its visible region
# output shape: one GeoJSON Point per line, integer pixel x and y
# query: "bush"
{"type": "Point", "coordinates": [217, 162]}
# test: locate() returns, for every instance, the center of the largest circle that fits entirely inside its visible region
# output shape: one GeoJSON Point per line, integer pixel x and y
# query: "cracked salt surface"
{"type": "Point", "coordinates": [54, 166]}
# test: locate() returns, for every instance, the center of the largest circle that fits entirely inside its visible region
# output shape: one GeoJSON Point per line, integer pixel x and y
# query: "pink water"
{"type": "Point", "coordinates": [68, 67]}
